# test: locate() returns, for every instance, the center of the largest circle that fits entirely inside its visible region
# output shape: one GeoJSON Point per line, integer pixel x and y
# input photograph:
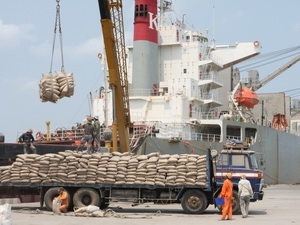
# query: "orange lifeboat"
{"type": "Point", "coordinates": [246, 97]}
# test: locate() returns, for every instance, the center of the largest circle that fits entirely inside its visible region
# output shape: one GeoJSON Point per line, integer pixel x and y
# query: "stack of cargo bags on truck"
{"type": "Point", "coordinates": [107, 168]}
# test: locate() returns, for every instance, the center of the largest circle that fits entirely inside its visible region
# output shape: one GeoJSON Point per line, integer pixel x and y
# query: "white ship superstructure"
{"type": "Point", "coordinates": [179, 83]}
{"type": "Point", "coordinates": [174, 84]}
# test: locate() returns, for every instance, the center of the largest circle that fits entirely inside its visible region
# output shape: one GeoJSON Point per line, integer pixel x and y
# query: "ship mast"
{"type": "Point", "coordinates": [164, 6]}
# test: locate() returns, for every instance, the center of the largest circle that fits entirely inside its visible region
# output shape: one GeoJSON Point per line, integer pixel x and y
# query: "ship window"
{"type": "Point", "coordinates": [141, 10]}
{"type": "Point", "coordinates": [184, 70]}
{"type": "Point", "coordinates": [146, 11]}
{"type": "Point", "coordinates": [250, 134]}
{"type": "Point", "coordinates": [136, 13]}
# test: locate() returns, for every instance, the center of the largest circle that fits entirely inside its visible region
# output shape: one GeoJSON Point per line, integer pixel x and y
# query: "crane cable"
{"type": "Point", "coordinates": [57, 24]}
{"type": "Point", "coordinates": [265, 59]}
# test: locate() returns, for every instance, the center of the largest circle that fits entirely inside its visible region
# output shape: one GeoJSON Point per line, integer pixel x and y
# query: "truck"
{"type": "Point", "coordinates": [98, 179]}
{"type": "Point", "coordinates": [192, 180]}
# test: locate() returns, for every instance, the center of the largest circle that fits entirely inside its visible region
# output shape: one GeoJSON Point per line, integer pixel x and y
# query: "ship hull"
{"type": "Point", "coordinates": [9, 151]}
{"type": "Point", "coordinates": [277, 151]}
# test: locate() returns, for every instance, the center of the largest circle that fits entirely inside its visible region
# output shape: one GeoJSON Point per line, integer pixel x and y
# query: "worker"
{"type": "Point", "coordinates": [96, 135]}
{"type": "Point", "coordinates": [245, 192]}
{"type": "Point", "coordinates": [63, 199]}
{"type": "Point", "coordinates": [27, 139]}
{"type": "Point", "coordinates": [87, 135]}
{"type": "Point", "coordinates": [226, 192]}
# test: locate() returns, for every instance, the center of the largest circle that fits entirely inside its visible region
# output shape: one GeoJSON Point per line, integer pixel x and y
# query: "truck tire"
{"type": "Point", "coordinates": [51, 194]}
{"type": "Point", "coordinates": [85, 197]}
{"type": "Point", "coordinates": [235, 204]}
{"type": "Point", "coordinates": [194, 202]}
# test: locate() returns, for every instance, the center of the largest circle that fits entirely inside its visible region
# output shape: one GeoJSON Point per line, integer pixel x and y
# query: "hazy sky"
{"type": "Point", "coordinates": [26, 36]}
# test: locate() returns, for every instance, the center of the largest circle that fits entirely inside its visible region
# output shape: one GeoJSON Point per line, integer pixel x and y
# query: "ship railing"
{"type": "Point", "coordinates": [67, 134]}
{"type": "Point", "coordinates": [60, 134]}
{"type": "Point", "coordinates": [210, 95]}
{"type": "Point", "coordinates": [140, 92]}
{"type": "Point", "coordinates": [138, 133]}
{"type": "Point", "coordinates": [230, 137]}
{"type": "Point", "coordinates": [206, 137]}
{"type": "Point", "coordinates": [209, 76]}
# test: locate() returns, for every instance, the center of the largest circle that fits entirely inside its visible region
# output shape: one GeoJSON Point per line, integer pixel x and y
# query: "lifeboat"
{"type": "Point", "coordinates": [246, 97]}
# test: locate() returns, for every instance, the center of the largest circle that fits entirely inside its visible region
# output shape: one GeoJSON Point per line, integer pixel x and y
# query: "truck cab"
{"type": "Point", "coordinates": [238, 159]}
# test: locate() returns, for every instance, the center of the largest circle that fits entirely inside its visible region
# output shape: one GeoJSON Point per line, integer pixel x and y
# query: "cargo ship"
{"type": "Point", "coordinates": [188, 91]}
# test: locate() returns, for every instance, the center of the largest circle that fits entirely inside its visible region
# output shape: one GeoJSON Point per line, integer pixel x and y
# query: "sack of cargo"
{"type": "Point", "coordinates": [5, 214]}
{"type": "Point", "coordinates": [56, 205]}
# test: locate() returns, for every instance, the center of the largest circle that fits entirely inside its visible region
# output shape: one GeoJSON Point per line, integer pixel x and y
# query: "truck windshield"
{"type": "Point", "coordinates": [245, 161]}
{"type": "Point", "coordinates": [253, 161]}
{"type": "Point", "coordinates": [240, 161]}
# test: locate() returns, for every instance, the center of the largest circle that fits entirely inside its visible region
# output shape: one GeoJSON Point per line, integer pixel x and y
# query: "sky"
{"type": "Point", "coordinates": [26, 40]}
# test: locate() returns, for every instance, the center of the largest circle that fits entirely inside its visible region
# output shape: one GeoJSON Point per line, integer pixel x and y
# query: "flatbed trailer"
{"type": "Point", "coordinates": [194, 199]}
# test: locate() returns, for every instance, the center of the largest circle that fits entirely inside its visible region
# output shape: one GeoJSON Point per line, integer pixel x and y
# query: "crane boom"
{"type": "Point", "coordinates": [114, 41]}
{"type": "Point", "coordinates": [276, 73]}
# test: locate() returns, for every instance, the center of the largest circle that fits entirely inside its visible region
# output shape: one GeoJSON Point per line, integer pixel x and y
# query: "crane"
{"type": "Point", "coordinates": [277, 72]}
{"type": "Point", "coordinates": [243, 98]}
{"type": "Point", "coordinates": [114, 42]}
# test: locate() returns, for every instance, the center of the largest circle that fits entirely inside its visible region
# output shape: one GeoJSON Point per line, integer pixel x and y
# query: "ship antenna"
{"type": "Point", "coordinates": [213, 30]}
{"type": "Point", "coordinates": [165, 6]}
{"type": "Point", "coordinates": [213, 21]}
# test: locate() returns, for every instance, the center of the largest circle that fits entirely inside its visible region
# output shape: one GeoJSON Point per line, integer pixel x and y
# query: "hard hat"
{"type": "Point", "coordinates": [30, 131]}
{"type": "Point", "coordinates": [96, 117]}
{"type": "Point", "coordinates": [229, 175]}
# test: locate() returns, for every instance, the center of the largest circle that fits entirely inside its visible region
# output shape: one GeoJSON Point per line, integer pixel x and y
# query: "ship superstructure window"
{"type": "Point", "coordinates": [184, 70]}
{"type": "Point", "coordinates": [141, 10]}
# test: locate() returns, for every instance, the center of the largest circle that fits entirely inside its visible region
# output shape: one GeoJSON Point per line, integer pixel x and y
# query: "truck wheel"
{"type": "Point", "coordinates": [51, 194]}
{"type": "Point", "coordinates": [194, 202]}
{"type": "Point", "coordinates": [235, 204]}
{"type": "Point", "coordinates": [85, 197]}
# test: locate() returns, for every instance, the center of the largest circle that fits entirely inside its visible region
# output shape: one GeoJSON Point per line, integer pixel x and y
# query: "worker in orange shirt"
{"type": "Point", "coordinates": [63, 198]}
{"type": "Point", "coordinates": [226, 192]}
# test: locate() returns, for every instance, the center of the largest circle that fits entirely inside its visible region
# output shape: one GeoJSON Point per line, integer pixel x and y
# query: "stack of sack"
{"type": "Point", "coordinates": [107, 168]}
{"type": "Point", "coordinates": [56, 87]}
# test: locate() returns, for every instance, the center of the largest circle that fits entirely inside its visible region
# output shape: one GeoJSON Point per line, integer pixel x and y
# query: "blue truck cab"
{"type": "Point", "coordinates": [238, 159]}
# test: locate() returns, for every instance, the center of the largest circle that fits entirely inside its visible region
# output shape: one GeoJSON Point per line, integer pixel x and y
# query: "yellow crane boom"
{"type": "Point", "coordinates": [114, 41]}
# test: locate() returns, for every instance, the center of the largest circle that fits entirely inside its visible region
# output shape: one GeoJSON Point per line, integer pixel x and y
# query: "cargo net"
{"type": "Point", "coordinates": [55, 87]}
